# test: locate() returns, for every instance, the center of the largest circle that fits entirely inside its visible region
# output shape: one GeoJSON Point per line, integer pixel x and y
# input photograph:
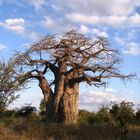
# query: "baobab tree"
{"type": "Point", "coordinates": [72, 58]}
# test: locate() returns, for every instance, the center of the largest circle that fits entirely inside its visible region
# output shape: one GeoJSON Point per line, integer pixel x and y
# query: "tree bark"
{"type": "Point", "coordinates": [59, 91]}
{"type": "Point", "coordinates": [62, 105]}
{"type": "Point", "coordinates": [67, 111]}
{"type": "Point", "coordinates": [70, 104]}
{"type": "Point", "coordinates": [48, 97]}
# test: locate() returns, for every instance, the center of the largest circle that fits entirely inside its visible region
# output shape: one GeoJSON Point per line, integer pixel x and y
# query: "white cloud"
{"type": "Point", "coordinates": [114, 7]}
{"type": "Point", "coordinates": [99, 7]}
{"type": "Point", "coordinates": [84, 29]}
{"type": "Point", "coordinates": [32, 95]}
{"type": "Point", "coordinates": [36, 3]}
{"type": "Point", "coordinates": [89, 12]}
{"type": "Point", "coordinates": [119, 40]}
{"type": "Point", "coordinates": [54, 7]}
{"type": "Point", "coordinates": [137, 2]}
{"type": "Point", "coordinates": [135, 19]}
{"type": "Point", "coordinates": [116, 13]}
{"type": "Point", "coordinates": [2, 46]}
{"type": "Point", "coordinates": [47, 22]}
{"type": "Point", "coordinates": [113, 20]}
{"type": "Point", "coordinates": [17, 25]}
{"type": "Point", "coordinates": [34, 100]}
{"type": "Point", "coordinates": [55, 25]}
{"type": "Point", "coordinates": [19, 21]}
{"type": "Point", "coordinates": [119, 7]}
{"type": "Point", "coordinates": [99, 33]}
{"type": "Point", "coordinates": [132, 49]}
{"type": "Point", "coordinates": [94, 31]}
{"type": "Point", "coordinates": [92, 100]}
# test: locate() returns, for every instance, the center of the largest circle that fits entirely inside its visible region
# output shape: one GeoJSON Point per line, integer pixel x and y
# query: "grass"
{"type": "Point", "coordinates": [35, 129]}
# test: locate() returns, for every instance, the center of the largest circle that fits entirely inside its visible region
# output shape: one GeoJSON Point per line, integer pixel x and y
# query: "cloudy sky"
{"type": "Point", "coordinates": [23, 22]}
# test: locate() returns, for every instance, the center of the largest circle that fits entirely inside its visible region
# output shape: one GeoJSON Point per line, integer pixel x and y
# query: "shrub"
{"type": "Point", "coordinates": [123, 112]}
{"type": "Point", "coordinates": [103, 115]}
{"type": "Point", "coordinates": [138, 114]}
{"type": "Point", "coordinates": [84, 116]}
{"type": "Point", "coordinates": [26, 111]}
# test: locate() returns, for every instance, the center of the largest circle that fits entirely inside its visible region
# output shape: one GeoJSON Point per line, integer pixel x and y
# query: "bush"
{"type": "Point", "coordinates": [103, 115]}
{"type": "Point", "coordinates": [138, 114]}
{"type": "Point", "coordinates": [84, 116]}
{"type": "Point", "coordinates": [26, 111]}
{"type": "Point", "coordinates": [123, 112]}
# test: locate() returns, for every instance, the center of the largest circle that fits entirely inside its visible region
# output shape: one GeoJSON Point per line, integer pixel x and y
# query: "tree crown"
{"type": "Point", "coordinates": [83, 59]}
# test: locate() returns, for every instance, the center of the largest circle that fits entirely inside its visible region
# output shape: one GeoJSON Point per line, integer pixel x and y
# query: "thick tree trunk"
{"type": "Point", "coordinates": [68, 106]}
{"type": "Point", "coordinates": [62, 105]}
{"type": "Point", "coordinates": [66, 99]}
{"type": "Point", "coordinates": [59, 90]}
{"type": "Point", "coordinates": [66, 103]}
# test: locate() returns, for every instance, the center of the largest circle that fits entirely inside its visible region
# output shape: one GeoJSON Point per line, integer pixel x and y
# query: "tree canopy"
{"type": "Point", "coordinates": [93, 59]}
{"type": "Point", "coordinates": [72, 58]}
{"type": "Point", "coordinates": [9, 83]}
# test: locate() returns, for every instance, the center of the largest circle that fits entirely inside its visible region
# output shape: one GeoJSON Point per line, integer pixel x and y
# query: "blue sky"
{"type": "Point", "coordinates": [23, 22]}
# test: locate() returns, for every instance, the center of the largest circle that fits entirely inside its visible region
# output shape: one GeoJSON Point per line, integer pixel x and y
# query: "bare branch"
{"type": "Point", "coordinates": [91, 60]}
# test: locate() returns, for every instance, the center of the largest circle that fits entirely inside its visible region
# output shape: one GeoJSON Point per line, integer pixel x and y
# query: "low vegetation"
{"type": "Point", "coordinates": [117, 122]}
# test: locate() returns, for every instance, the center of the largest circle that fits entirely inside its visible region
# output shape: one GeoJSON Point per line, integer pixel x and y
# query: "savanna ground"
{"type": "Point", "coordinates": [99, 127]}
{"type": "Point", "coordinates": [27, 129]}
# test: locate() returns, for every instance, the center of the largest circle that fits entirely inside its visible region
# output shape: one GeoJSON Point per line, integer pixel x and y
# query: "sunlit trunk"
{"type": "Point", "coordinates": [59, 90]}
{"type": "Point", "coordinates": [70, 104]}
{"type": "Point", "coordinates": [67, 111]}
{"type": "Point", "coordinates": [62, 105]}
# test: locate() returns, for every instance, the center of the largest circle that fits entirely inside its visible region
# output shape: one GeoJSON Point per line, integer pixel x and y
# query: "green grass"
{"type": "Point", "coordinates": [35, 129]}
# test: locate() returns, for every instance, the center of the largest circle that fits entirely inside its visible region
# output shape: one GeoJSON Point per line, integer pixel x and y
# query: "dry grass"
{"type": "Point", "coordinates": [35, 129]}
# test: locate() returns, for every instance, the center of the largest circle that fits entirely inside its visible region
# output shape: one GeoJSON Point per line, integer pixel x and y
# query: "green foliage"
{"type": "Point", "coordinates": [117, 115]}
{"type": "Point", "coordinates": [103, 115]}
{"type": "Point", "coordinates": [84, 116]}
{"type": "Point", "coordinates": [8, 84]}
{"type": "Point", "coordinates": [42, 106]}
{"type": "Point", "coordinates": [42, 109]}
{"type": "Point", "coordinates": [123, 112]}
{"type": "Point", "coordinates": [26, 110]}
{"type": "Point", "coordinates": [138, 114]}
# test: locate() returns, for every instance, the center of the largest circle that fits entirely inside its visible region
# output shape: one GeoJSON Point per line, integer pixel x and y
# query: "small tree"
{"type": "Point", "coordinates": [138, 114]}
{"type": "Point", "coordinates": [9, 83]}
{"type": "Point", "coordinates": [103, 115]}
{"type": "Point", "coordinates": [71, 58]}
{"type": "Point", "coordinates": [123, 113]}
